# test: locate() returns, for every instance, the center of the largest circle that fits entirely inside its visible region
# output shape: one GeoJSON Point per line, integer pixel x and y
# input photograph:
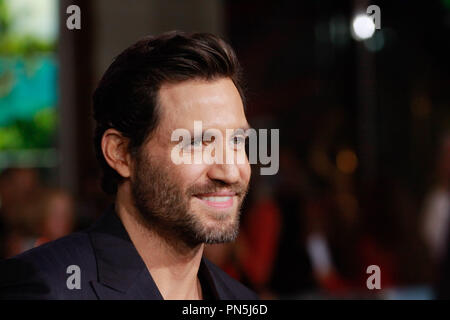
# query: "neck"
{"type": "Point", "coordinates": [172, 265]}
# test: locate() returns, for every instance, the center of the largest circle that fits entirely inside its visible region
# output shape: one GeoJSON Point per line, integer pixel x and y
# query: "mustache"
{"type": "Point", "coordinates": [216, 186]}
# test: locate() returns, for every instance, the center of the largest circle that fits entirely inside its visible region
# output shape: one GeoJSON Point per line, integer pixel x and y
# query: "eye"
{"type": "Point", "coordinates": [238, 140]}
{"type": "Point", "coordinates": [195, 142]}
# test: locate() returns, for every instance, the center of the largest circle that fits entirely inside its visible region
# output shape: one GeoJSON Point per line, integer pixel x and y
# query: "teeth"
{"type": "Point", "coordinates": [216, 199]}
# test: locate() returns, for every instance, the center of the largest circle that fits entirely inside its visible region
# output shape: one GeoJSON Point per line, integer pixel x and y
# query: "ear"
{"type": "Point", "coordinates": [115, 151]}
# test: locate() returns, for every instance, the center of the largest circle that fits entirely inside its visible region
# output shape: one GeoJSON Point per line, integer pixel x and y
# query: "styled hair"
{"type": "Point", "coordinates": [126, 98]}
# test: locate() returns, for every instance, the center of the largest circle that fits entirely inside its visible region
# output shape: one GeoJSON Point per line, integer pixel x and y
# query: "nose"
{"type": "Point", "coordinates": [228, 173]}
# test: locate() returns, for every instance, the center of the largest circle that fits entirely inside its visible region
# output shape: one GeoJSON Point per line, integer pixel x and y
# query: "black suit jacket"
{"type": "Point", "coordinates": [110, 268]}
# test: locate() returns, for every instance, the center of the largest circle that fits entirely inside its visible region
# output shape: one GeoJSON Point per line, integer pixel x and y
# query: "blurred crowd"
{"type": "Point", "coordinates": [31, 214]}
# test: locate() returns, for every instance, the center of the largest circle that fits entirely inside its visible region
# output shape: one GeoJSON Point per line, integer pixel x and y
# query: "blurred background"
{"type": "Point", "coordinates": [364, 119]}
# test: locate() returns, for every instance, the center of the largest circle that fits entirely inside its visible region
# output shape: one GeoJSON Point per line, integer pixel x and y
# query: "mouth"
{"type": "Point", "coordinates": [218, 200]}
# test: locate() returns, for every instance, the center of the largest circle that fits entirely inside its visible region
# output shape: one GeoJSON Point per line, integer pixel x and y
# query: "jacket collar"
{"type": "Point", "coordinates": [122, 273]}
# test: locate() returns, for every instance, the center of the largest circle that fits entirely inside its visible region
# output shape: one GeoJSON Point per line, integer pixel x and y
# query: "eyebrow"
{"type": "Point", "coordinates": [244, 128]}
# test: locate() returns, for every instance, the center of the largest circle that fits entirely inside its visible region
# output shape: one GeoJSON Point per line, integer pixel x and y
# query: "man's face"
{"type": "Point", "coordinates": [199, 202]}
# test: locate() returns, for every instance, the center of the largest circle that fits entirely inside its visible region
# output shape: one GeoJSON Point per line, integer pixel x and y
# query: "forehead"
{"type": "Point", "coordinates": [217, 103]}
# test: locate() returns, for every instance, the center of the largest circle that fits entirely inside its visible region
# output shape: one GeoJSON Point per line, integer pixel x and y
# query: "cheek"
{"type": "Point", "coordinates": [189, 173]}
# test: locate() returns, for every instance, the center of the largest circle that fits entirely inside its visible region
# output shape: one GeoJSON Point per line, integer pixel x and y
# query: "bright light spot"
{"type": "Point", "coordinates": [363, 27]}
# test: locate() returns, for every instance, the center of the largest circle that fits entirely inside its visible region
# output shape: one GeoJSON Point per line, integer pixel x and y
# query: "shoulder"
{"type": "Point", "coordinates": [42, 272]}
{"type": "Point", "coordinates": [229, 286]}
{"type": "Point", "coordinates": [49, 257]}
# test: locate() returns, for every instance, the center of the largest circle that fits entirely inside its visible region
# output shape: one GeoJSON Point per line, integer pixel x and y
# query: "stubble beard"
{"type": "Point", "coordinates": [164, 207]}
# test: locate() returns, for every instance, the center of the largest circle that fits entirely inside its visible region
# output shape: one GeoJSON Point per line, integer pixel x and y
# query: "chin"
{"type": "Point", "coordinates": [221, 229]}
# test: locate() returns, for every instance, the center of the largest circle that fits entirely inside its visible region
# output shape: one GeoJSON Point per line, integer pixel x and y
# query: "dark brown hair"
{"type": "Point", "coordinates": [126, 97]}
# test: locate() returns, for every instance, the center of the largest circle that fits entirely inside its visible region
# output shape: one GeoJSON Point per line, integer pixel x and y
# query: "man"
{"type": "Point", "coordinates": [149, 245]}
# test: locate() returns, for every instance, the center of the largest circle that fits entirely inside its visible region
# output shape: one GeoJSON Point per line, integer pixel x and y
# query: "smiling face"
{"type": "Point", "coordinates": [197, 202]}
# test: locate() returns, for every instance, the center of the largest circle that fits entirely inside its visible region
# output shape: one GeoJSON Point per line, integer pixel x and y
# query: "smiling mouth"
{"type": "Point", "coordinates": [219, 200]}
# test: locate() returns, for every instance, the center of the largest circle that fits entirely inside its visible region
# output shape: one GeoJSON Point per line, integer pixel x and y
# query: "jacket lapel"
{"type": "Point", "coordinates": [122, 273]}
{"type": "Point", "coordinates": [143, 288]}
{"type": "Point", "coordinates": [211, 275]}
